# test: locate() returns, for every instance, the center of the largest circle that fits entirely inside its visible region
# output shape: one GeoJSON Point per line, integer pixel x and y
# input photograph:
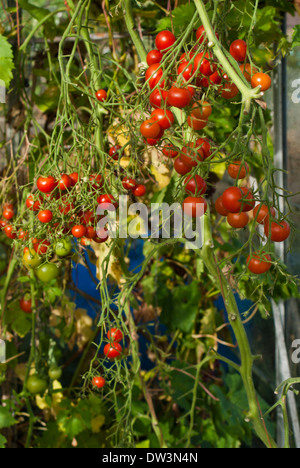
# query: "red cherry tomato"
{"type": "Point", "coordinates": [46, 184]}
{"type": "Point", "coordinates": [154, 56]}
{"type": "Point", "coordinates": [170, 151]}
{"type": "Point", "coordinates": [179, 97]}
{"type": "Point", "coordinates": [238, 50]}
{"type": "Point", "coordinates": [40, 246]}
{"type": "Point", "coordinates": [194, 206]}
{"type": "Point", "coordinates": [97, 181]}
{"type": "Point", "coordinates": [107, 202]}
{"type": "Point", "coordinates": [201, 35]}
{"type": "Point", "coordinates": [220, 208]}
{"type": "Point", "coordinates": [26, 305]}
{"type": "Point", "coordinates": [259, 263]}
{"type": "Point", "coordinates": [153, 75]}
{"type": "Point", "coordinates": [180, 167]}
{"type": "Point", "coordinates": [98, 382]}
{"type": "Point", "coordinates": [164, 40]}
{"type": "Point", "coordinates": [229, 91]}
{"type": "Point", "coordinates": [139, 190]}
{"type": "Point", "coordinates": [248, 202]}
{"type": "Point", "coordinates": [8, 213]}
{"type": "Point", "coordinates": [158, 97]}
{"type": "Point", "coordinates": [280, 231]}
{"type": "Point", "coordinates": [201, 110]}
{"type": "Point", "coordinates": [129, 183]}
{"type": "Point", "coordinates": [262, 80]}
{"type": "Point", "coordinates": [238, 220]}
{"type": "Point", "coordinates": [78, 230]}
{"type": "Point", "coordinates": [114, 334]}
{"type": "Point", "coordinates": [196, 124]}
{"type": "Point", "coordinates": [114, 152]}
{"type": "Point", "coordinates": [45, 216]}
{"type": "Point", "coordinates": [101, 95]}
{"type": "Point", "coordinates": [195, 185]}
{"type": "Point", "coordinates": [150, 128]}
{"type": "Point", "coordinates": [164, 117]}
{"type": "Point", "coordinates": [191, 154]}
{"type": "Point", "coordinates": [262, 212]}
{"type": "Point", "coordinates": [113, 350]}
{"type": "Point", "coordinates": [238, 170]}
{"type": "Point", "coordinates": [64, 182]}
{"type": "Point", "coordinates": [74, 178]}
{"type": "Point", "coordinates": [10, 231]}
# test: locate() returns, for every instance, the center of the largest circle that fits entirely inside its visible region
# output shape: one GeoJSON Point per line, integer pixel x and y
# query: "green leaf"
{"type": "Point", "coordinates": [296, 36]}
{"type": "Point", "coordinates": [182, 17]}
{"type": "Point", "coordinates": [2, 441]}
{"type": "Point", "coordinates": [6, 61]}
{"type": "Point", "coordinates": [6, 419]}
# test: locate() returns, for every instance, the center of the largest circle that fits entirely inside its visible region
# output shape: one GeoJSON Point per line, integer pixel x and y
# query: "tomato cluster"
{"type": "Point", "coordinates": [236, 202]}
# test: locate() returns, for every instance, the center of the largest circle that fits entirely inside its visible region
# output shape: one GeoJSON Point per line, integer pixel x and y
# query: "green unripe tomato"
{"type": "Point", "coordinates": [47, 272]}
{"type": "Point", "coordinates": [36, 384]}
{"type": "Point", "coordinates": [63, 247]}
{"type": "Point", "coordinates": [55, 372]}
{"type": "Point", "coordinates": [31, 259]}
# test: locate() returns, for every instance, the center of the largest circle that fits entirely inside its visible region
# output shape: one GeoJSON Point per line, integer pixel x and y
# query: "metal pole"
{"type": "Point", "coordinates": [279, 310]}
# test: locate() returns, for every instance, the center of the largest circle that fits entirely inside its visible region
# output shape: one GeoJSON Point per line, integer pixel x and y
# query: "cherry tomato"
{"type": "Point", "coordinates": [191, 154]}
{"type": "Point", "coordinates": [45, 216]}
{"type": "Point", "coordinates": [74, 178]}
{"type": "Point", "coordinates": [158, 97]}
{"type": "Point", "coordinates": [31, 259]}
{"type": "Point", "coordinates": [229, 91]}
{"type": "Point", "coordinates": [47, 272]}
{"type": "Point", "coordinates": [201, 35]}
{"type": "Point", "coordinates": [262, 212]}
{"type": "Point", "coordinates": [22, 234]}
{"type": "Point", "coordinates": [63, 247]}
{"type": "Point", "coordinates": [164, 40]}
{"type": "Point", "coordinates": [201, 110]}
{"type": "Point", "coordinates": [185, 70]}
{"type": "Point", "coordinates": [170, 151]}
{"type": "Point", "coordinates": [238, 50]}
{"type": "Point", "coordinates": [114, 334]}
{"type": "Point", "coordinates": [40, 246]}
{"type": "Point", "coordinates": [139, 190]}
{"type": "Point", "coordinates": [96, 181]}
{"type": "Point", "coordinates": [114, 152]}
{"type": "Point", "coordinates": [3, 223]}
{"type": "Point", "coordinates": [46, 184]}
{"type": "Point", "coordinates": [203, 64]}
{"type": "Point", "coordinates": [259, 263]}
{"type": "Point", "coordinates": [55, 372]}
{"type": "Point", "coordinates": [107, 202]}
{"type": "Point", "coordinates": [238, 170]}
{"type": "Point", "coordinates": [8, 213]}
{"type": "Point", "coordinates": [204, 145]}
{"type": "Point", "coordinates": [262, 80]}
{"type": "Point", "coordinates": [101, 235]}
{"type": "Point", "coordinates": [33, 205]}
{"type": "Point", "coordinates": [164, 117]}
{"type": "Point", "coordinates": [113, 350]}
{"type": "Point", "coordinates": [64, 182]}
{"type": "Point", "coordinates": [101, 95]}
{"type": "Point", "coordinates": [10, 231]}
{"type": "Point", "coordinates": [150, 129]}
{"type": "Point", "coordinates": [26, 305]}
{"type": "Point", "coordinates": [78, 230]}
{"type": "Point", "coordinates": [153, 75]}
{"type": "Point", "coordinates": [98, 382]}
{"type": "Point", "coordinates": [129, 183]}
{"type": "Point", "coordinates": [36, 384]}
{"type": "Point", "coordinates": [248, 71]}
{"type": "Point", "coordinates": [179, 97]}
{"type": "Point", "coordinates": [194, 206]}
{"type": "Point", "coordinates": [231, 199]}
{"type": "Point", "coordinates": [196, 124]}
{"type": "Point", "coordinates": [220, 207]}
{"type": "Point", "coordinates": [195, 185]}
{"type": "Point", "coordinates": [248, 202]}
{"type": "Point", "coordinates": [153, 56]}
{"type": "Point", "coordinates": [280, 231]}
{"type": "Point", "coordinates": [238, 220]}
{"type": "Point", "coordinates": [180, 167]}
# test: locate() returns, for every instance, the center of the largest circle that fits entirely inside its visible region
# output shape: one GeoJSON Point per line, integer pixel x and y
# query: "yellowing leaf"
{"type": "Point", "coordinates": [114, 269]}
{"type": "Point", "coordinates": [97, 423]}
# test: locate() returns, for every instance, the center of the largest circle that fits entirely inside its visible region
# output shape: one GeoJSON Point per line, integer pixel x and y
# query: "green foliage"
{"type": "Point", "coordinates": [6, 61]}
